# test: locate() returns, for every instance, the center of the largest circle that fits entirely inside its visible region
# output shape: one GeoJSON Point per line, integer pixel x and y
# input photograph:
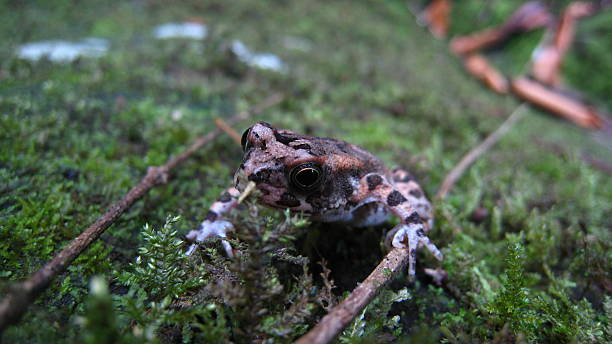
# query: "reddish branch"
{"type": "Point", "coordinates": [436, 15]}
{"type": "Point", "coordinates": [549, 56]}
{"type": "Point", "coordinates": [529, 16]}
{"type": "Point", "coordinates": [22, 294]}
{"type": "Point", "coordinates": [221, 124]}
{"type": "Point", "coordinates": [342, 315]}
{"type": "Point", "coordinates": [557, 103]}
{"type": "Point", "coordinates": [479, 67]}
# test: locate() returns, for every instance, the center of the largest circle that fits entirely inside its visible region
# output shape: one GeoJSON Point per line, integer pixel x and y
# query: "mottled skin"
{"type": "Point", "coordinates": [328, 179]}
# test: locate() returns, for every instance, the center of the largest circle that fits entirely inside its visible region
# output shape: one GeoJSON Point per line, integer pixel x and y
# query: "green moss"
{"type": "Point", "coordinates": [512, 304]}
{"type": "Point", "coordinates": [76, 136]}
{"type": "Point", "coordinates": [99, 324]}
{"type": "Point", "coordinates": [159, 267]}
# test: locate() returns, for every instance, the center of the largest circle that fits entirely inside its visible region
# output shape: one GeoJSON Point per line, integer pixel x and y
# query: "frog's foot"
{"type": "Point", "coordinates": [207, 229]}
{"type": "Point", "coordinates": [414, 236]}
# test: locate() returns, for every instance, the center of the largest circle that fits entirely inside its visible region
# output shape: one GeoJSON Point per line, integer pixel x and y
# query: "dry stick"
{"type": "Point", "coordinates": [599, 164]}
{"type": "Point", "coordinates": [395, 261]}
{"type": "Point", "coordinates": [468, 159]}
{"type": "Point", "coordinates": [341, 316]}
{"type": "Point", "coordinates": [21, 295]}
{"type": "Point", "coordinates": [228, 130]}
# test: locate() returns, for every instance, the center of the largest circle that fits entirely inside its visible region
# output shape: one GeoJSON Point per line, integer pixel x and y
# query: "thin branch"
{"type": "Point", "coordinates": [220, 123]}
{"type": "Point", "coordinates": [395, 261]}
{"type": "Point", "coordinates": [341, 316]}
{"type": "Point", "coordinates": [527, 17]}
{"type": "Point", "coordinates": [599, 164]}
{"type": "Point", "coordinates": [22, 294]}
{"type": "Point", "coordinates": [557, 103]}
{"type": "Point", "coordinates": [476, 152]}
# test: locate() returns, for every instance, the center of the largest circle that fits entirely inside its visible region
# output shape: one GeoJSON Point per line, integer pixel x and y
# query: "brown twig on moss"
{"type": "Point", "coordinates": [527, 17]}
{"type": "Point", "coordinates": [341, 316]}
{"type": "Point", "coordinates": [480, 68]}
{"type": "Point", "coordinates": [22, 294]}
{"type": "Point", "coordinates": [395, 261]}
{"type": "Point", "coordinates": [546, 64]}
{"type": "Point", "coordinates": [221, 124]}
{"type": "Point", "coordinates": [557, 103]}
{"type": "Point", "coordinates": [594, 162]}
{"type": "Point", "coordinates": [476, 152]}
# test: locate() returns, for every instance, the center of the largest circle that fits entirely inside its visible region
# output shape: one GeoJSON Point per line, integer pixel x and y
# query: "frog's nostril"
{"type": "Point", "coordinates": [261, 175]}
{"type": "Point", "coordinates": [262, 144]}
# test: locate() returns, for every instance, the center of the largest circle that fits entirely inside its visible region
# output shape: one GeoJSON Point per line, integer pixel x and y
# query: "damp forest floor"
{"type": "Point", "coordinates": [525, 233]}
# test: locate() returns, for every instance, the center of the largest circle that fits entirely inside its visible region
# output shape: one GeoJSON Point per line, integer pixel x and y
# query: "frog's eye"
{"type": "Point", "coordinates": [306, 176]}
{"type": "Point", "coordinates": [243, 141]}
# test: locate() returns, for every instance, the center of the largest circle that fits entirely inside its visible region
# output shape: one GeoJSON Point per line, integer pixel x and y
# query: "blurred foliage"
{"type": "Point", "coordinates": [525, 233]}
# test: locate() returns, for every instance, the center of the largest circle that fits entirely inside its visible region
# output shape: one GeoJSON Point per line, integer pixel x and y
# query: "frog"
{"type": "Point", "coordinates": [328, 180]}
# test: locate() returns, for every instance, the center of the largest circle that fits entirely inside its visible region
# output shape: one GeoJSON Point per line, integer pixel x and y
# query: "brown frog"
{"type": "Point", "coordinates": [331, 181]}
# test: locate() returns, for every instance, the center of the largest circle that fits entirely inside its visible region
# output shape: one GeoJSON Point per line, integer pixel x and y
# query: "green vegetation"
{"type": "Point", "coordinates": [525, 233]}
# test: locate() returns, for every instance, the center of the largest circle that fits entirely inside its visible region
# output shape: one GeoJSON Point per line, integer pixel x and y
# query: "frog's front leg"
{"type": "Point", "coordinates": [213, 224]}
{"type": "Point", "coordinates": [410, 233]}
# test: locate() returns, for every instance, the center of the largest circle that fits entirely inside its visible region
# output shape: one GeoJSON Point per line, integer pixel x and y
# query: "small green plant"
{"type": "Point", "coordinates": [156, 279]}
{"type": "Point", "coordinates": [160, 269]}
{"type": "Point", "coordinates": [513, 304]}
{"type": "Point", "coordinates": [99, 320]}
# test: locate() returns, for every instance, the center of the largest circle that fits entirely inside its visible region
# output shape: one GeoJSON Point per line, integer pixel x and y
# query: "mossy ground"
{"type": "Point", "coordinates": [525, 233]}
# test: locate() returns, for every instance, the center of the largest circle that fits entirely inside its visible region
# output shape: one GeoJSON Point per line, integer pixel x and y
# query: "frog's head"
{"type": "Point", "coordinates": [301, 172]}
{"type": "Point", "coordinates": [282, 165]}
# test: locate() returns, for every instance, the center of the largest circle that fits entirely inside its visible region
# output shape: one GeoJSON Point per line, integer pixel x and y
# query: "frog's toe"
{"type": "Point", "coordinates": [411, 237]}
{"type": "Point", "coordinates": [209, 229]}
{"type": "Point", "coordinates": [389, 237]}
{"type": "Point", "coordinates": [401, 236]}
{"type": "Point", "coordinates": [405, 237]}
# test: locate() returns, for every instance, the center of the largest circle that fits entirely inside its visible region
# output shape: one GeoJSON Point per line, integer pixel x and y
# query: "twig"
{"type": "Point", "coordinates": [340, 316]}
{"type": "Point", "coordinates": [546, 63]}
{"type": "Point", "coordinates": [22, 294]}
{"type": "Point", "coordinates": [436, 15]}
{"type": "Point", "coordinates": [480, 68]}
{"type": "Point", "coordinates": [599, 164]}
{"type": "Point", "coordinates": [557, 103]}
{"type": "Point", "coordinates": [468, 159]}
{"type": "Point", "coordinates": [335, 321]}
{"type": "Point", "coordinates": [220, 123]}
{"type": "Point", "coordinates": [528, 16]}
